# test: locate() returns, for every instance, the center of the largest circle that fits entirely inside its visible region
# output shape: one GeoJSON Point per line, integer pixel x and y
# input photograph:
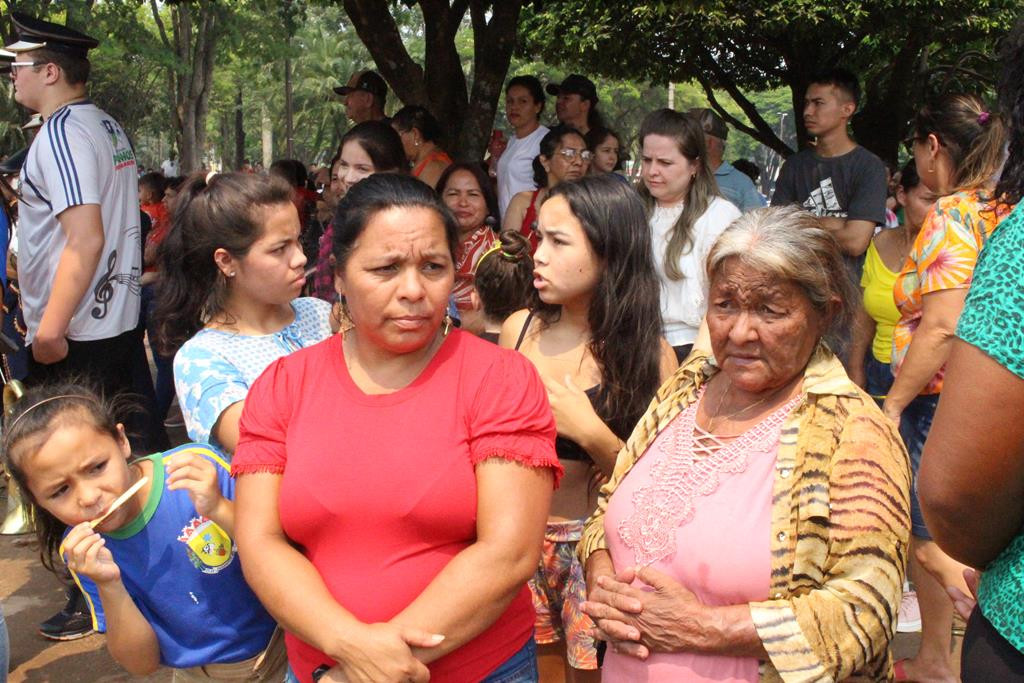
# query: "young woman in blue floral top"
{"type": "Point", "coordinates": [232, 269]}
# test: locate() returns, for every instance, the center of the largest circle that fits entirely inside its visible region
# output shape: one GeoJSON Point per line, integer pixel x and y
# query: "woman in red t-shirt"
{"type": "Point", "coordinates": [393, 481]}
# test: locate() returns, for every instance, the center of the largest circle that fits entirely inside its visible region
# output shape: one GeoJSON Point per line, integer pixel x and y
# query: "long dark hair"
{"type": "Point", "coordinates": [486, 186]}
{"type": "Point", "coordinates": [551, 141]}
{"type": "Point", "coordinates": [224, 213]}
{"type": "Point", "coordinates": [689, 138]}
{"type": "Point", "coordinates": [380, 192]}
{"type": "Point", "coordinates": [381, 143]}
{"type": "Point", "coordinates": [624, 316]}
{"type": "Point", "coordinates": [414, 116]}
{"type": "Point", "coordinates": [28, 426]}
{"type": "Point", "coordinates": [1011, 98]}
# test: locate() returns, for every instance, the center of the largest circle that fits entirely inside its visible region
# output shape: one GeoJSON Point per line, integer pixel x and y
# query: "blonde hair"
{"type": "Point", "coordinates": [689, 139]}
{"type": "Point", "coordinates": [791, 244]}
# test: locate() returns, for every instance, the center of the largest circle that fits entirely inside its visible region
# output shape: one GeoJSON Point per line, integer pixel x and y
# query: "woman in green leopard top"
{"type": "Point", "coordinates": [972, 475]}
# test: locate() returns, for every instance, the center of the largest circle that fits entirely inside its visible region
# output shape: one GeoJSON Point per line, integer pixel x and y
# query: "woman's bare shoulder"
{"type": "Point", "coordinates": [512, 327]}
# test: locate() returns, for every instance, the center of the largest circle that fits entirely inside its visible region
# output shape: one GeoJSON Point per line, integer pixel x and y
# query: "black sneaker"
{"type": "Point", "coordinates": [71, 623]}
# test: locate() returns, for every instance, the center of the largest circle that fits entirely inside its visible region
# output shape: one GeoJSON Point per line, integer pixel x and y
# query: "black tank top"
{"type": "Point", "coordinates": [567, 449]}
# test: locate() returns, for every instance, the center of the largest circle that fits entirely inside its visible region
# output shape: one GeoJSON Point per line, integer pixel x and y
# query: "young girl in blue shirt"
{"type": "Point", "coordinates": [161, 569]}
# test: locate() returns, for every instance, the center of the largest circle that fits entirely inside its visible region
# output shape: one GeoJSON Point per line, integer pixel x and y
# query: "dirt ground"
{"type": "Point", "coordinates": [30, 595]}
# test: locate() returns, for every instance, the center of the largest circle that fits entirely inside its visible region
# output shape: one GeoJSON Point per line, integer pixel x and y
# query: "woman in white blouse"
{"type": "Point", "coordinates": [686, 213]}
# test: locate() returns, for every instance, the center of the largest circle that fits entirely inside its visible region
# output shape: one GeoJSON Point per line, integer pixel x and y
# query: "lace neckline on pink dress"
{"type": "Point", "coordinates": [678, 477]}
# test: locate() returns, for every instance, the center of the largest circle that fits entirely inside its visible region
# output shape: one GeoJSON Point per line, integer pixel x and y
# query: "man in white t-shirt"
{"type": "Point", "coordinates": [169, 167]}
{"type": "Point", "coordinates": [80, 253]}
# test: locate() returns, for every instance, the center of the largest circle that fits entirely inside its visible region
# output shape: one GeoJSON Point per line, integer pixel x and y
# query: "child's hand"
{"type": "Point", "coordinates": [85, 553]}
{"type": "Point", "coordinates": [197, 475]}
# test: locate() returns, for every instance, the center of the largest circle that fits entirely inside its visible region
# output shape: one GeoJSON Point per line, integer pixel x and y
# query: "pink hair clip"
{"type": "Point", "coordinates": [983, 118]}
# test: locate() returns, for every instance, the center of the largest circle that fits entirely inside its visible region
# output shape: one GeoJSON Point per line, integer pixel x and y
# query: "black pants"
{"type": "Point", "coordinates": [987, 657]}
{"type": "Point", "coordinates": [115, 367]}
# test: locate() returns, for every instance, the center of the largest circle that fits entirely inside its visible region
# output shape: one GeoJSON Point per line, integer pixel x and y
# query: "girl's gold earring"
{"type": "Point", "coordinates": [446, 327]}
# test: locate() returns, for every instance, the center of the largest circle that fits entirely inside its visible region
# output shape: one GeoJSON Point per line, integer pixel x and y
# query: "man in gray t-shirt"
{"type": "Point", "coordinates": [850, 187]}
{"type": "Point", "coordinates": [838, 180]}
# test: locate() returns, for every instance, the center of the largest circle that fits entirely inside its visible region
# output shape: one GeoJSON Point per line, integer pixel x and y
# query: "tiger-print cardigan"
{"type": "Point", "coordinates": [840, 524]}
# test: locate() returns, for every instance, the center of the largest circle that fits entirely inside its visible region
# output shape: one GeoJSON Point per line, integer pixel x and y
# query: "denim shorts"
{"type": "Point", "coordinates": [915, 423]}
{"type": "Point", "coordinates": [519, 668]}
{"type": "Point", "coordinates": [879, 378]}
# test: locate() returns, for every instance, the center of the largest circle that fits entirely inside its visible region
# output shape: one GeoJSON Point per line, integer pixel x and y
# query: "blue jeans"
{"type": "Point", "coordinates": [915, 423]}
{"type": "Point", "coordinates": [519, 668]}
{"type": "Point", "coordinates": [879, 378]}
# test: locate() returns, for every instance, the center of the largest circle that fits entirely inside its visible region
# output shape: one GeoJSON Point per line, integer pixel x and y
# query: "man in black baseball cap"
{"type": "Point", "coordinates": [365, 95]}
{"type": "Point", "coordinates": [576, 105]}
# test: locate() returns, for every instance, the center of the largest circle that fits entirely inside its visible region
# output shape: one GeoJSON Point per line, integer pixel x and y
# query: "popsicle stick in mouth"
{"type": "Point", "coordinates": [121, 500]}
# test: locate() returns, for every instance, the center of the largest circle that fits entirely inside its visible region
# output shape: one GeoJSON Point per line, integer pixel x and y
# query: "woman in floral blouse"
{"type": "Point", "coordinates": [958, 148]}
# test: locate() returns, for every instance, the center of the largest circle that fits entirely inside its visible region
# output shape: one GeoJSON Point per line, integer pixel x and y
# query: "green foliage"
{"type": "Point", "coordinates": [902, 49]}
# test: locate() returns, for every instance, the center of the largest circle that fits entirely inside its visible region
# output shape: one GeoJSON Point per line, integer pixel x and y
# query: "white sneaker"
{"type": "Point", "coordinates": [908, 620]}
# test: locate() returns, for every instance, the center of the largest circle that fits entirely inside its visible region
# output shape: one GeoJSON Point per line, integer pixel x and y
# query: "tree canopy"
{"type": "Point", "coordinates": [902, 50]}
{"type": "Point", "coordinates": [214, 79]}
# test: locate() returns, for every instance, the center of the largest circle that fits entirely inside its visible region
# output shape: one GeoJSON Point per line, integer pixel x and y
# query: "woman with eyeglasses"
{"type": "Point", "coordinates": [686, 213]}
{"type": "Point", "coordinates": [563, 156]}
{"type": "Point", "coordinates": [958, 148]}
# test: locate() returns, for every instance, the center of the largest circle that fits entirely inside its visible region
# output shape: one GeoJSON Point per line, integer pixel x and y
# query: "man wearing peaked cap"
{"type": "Point", "coordinates": [80, 252]}
{"type": "Point", "coordinates": [736, 186]}
{"type": "Point", "coordinates": [576, 105]}
{"type": "Point", "coordinates": [365, 96]}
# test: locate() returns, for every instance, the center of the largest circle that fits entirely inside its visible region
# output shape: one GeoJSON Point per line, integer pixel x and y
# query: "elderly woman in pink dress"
{"type": "Point", "coordinates": [756, 525]}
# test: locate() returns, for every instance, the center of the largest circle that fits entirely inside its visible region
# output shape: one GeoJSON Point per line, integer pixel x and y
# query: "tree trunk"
{"type": "Point", "coordinates": [192, 41]}
{"type": "Point", "coordinates": [225, 150]}
{"type": "Point", "coordinates": [289, 135]}
{"type": "Point", "coordinates": [267, 129]}
{"type": "Point", "coordinates": [239, 131]}
{"type": "Point", "coordinates": [465, 116]}
{"type": "Point", "coordinates": [881, 123]}
{"type": "Point", "coordinates": [493, 44]}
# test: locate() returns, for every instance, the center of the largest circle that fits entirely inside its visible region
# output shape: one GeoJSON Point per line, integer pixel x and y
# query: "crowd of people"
{"type": "Point", "coordinates": [520, 418]}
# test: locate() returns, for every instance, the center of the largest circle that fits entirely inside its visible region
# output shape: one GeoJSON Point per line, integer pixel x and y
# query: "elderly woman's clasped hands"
{"type": "Point", "coordinates": [659, 616]}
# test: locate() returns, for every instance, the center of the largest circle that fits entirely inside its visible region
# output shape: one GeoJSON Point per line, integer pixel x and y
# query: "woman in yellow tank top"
{"type": "Point", "coordinates": [871, 351]}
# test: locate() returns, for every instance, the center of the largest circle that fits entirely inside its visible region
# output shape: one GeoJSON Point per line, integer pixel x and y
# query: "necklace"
{"type": "Point", "coordinates": [721, 401]}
